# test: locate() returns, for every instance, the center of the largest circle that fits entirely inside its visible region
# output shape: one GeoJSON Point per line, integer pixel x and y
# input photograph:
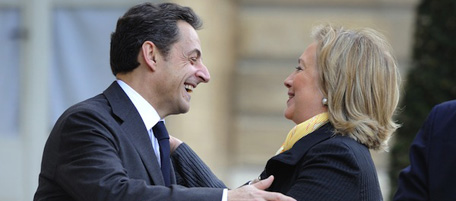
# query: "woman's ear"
{"type": "Point", "coordinates": [149, 52]}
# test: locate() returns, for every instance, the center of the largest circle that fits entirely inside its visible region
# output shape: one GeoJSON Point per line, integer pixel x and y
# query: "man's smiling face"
{"type": "Point", "coordinates": [182, 70]}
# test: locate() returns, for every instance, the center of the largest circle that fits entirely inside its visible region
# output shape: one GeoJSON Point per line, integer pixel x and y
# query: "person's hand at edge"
{"type": "Point", "coordinates": [256, 192]}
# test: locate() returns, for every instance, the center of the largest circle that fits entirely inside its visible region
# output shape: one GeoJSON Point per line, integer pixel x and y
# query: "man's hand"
{"type": "Point", "coordinates": [256, 192]}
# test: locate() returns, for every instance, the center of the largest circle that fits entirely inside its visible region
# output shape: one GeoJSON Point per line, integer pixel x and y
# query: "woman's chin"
{"type": "Point", "coordinates": [287, 115]}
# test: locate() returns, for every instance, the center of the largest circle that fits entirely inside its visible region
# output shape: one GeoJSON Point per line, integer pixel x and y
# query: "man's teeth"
{"type": "Point", "coordinates": [189, 88]}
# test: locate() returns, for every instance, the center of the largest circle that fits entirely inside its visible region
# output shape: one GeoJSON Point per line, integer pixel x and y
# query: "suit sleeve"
{"type": "Point", "coordinates": [86, 165]}
{"type": "Point", "coordinates": [191, 171]}
{"type": "Point", "coordinates": [412, 184]}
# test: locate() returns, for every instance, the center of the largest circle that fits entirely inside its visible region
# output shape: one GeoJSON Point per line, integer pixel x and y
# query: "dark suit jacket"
{"type": "Point", "coordinates": [99, 149]}
{"type": "Point", "coordinates": [322, 166]}
{"type": "Point", "coordinates": [432, 171]}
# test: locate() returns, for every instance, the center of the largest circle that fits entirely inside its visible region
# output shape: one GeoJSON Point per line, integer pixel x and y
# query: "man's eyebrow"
{"type": "Point", "coordinates": [197, 51]}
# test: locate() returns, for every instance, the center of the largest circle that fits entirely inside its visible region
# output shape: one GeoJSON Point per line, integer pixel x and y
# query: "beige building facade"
{"type": "Point", "coordinates": [236, 121]}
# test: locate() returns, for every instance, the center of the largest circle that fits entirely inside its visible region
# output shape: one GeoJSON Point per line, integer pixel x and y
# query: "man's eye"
{"type": "Point", "coordinates": [298, 68]}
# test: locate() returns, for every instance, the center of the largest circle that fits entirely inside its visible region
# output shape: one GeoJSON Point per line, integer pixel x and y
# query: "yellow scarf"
{"type": "Point", "coordinates": [302, 130]}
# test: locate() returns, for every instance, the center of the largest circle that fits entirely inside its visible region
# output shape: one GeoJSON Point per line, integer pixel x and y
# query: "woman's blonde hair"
{"type": "Point", "coordinates": [360, 78]}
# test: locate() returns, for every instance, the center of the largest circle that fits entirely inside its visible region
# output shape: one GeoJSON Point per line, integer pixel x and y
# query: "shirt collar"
{"type": "Point", "coordinates": [147, 112]}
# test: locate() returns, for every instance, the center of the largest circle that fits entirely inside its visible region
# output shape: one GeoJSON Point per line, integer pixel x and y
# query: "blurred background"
{"type": "Point", "coordinates": [55, 53]}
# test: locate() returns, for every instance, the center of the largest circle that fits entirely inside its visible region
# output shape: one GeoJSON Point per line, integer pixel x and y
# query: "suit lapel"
{"type": "Point", "coordinates": [133, 126]}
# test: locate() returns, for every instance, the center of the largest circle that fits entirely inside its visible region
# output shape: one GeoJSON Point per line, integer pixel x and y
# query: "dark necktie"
{"type": "Point", "coordinates": [163, 140]}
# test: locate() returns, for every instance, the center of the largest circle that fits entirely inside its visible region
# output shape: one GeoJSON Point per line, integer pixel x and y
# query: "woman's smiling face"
{"type": "Point", "coordinates": [303, 89]}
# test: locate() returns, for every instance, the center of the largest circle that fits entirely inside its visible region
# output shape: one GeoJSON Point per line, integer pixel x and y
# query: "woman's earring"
{"type": "Point", "coordinates": [324, 101]}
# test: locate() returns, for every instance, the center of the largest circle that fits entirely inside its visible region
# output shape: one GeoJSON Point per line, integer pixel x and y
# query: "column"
{"type": "Point", "coordinates": [35, 64]}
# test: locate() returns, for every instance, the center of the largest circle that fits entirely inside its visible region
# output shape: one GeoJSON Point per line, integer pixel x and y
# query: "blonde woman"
{"type": "Point", "coordinates": [342, 97]}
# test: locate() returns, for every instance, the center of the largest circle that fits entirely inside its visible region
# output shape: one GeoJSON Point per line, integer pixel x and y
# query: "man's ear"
{"type": "Point", "coordinates": [149, 53]}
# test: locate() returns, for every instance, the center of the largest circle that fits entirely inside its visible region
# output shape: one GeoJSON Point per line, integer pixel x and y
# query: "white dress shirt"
{"type": "Point", "coordinates": [148, 114]}
{"type": "Point", "coordinates": [150, 117]}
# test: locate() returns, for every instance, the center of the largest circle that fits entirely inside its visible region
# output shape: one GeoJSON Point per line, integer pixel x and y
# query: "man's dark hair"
{"type": "Point", "coordinates": [147, 22]}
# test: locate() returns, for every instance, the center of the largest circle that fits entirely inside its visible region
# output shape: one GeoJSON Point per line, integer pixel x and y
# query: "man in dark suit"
{"type": "Point", "coordinates": [109, 147]}
{"type": "Point", "coordinates": [431, 173]}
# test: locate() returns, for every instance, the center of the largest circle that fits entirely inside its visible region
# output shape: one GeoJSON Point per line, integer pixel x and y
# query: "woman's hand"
{"type": "Point", "coordinates": [174, 143]}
